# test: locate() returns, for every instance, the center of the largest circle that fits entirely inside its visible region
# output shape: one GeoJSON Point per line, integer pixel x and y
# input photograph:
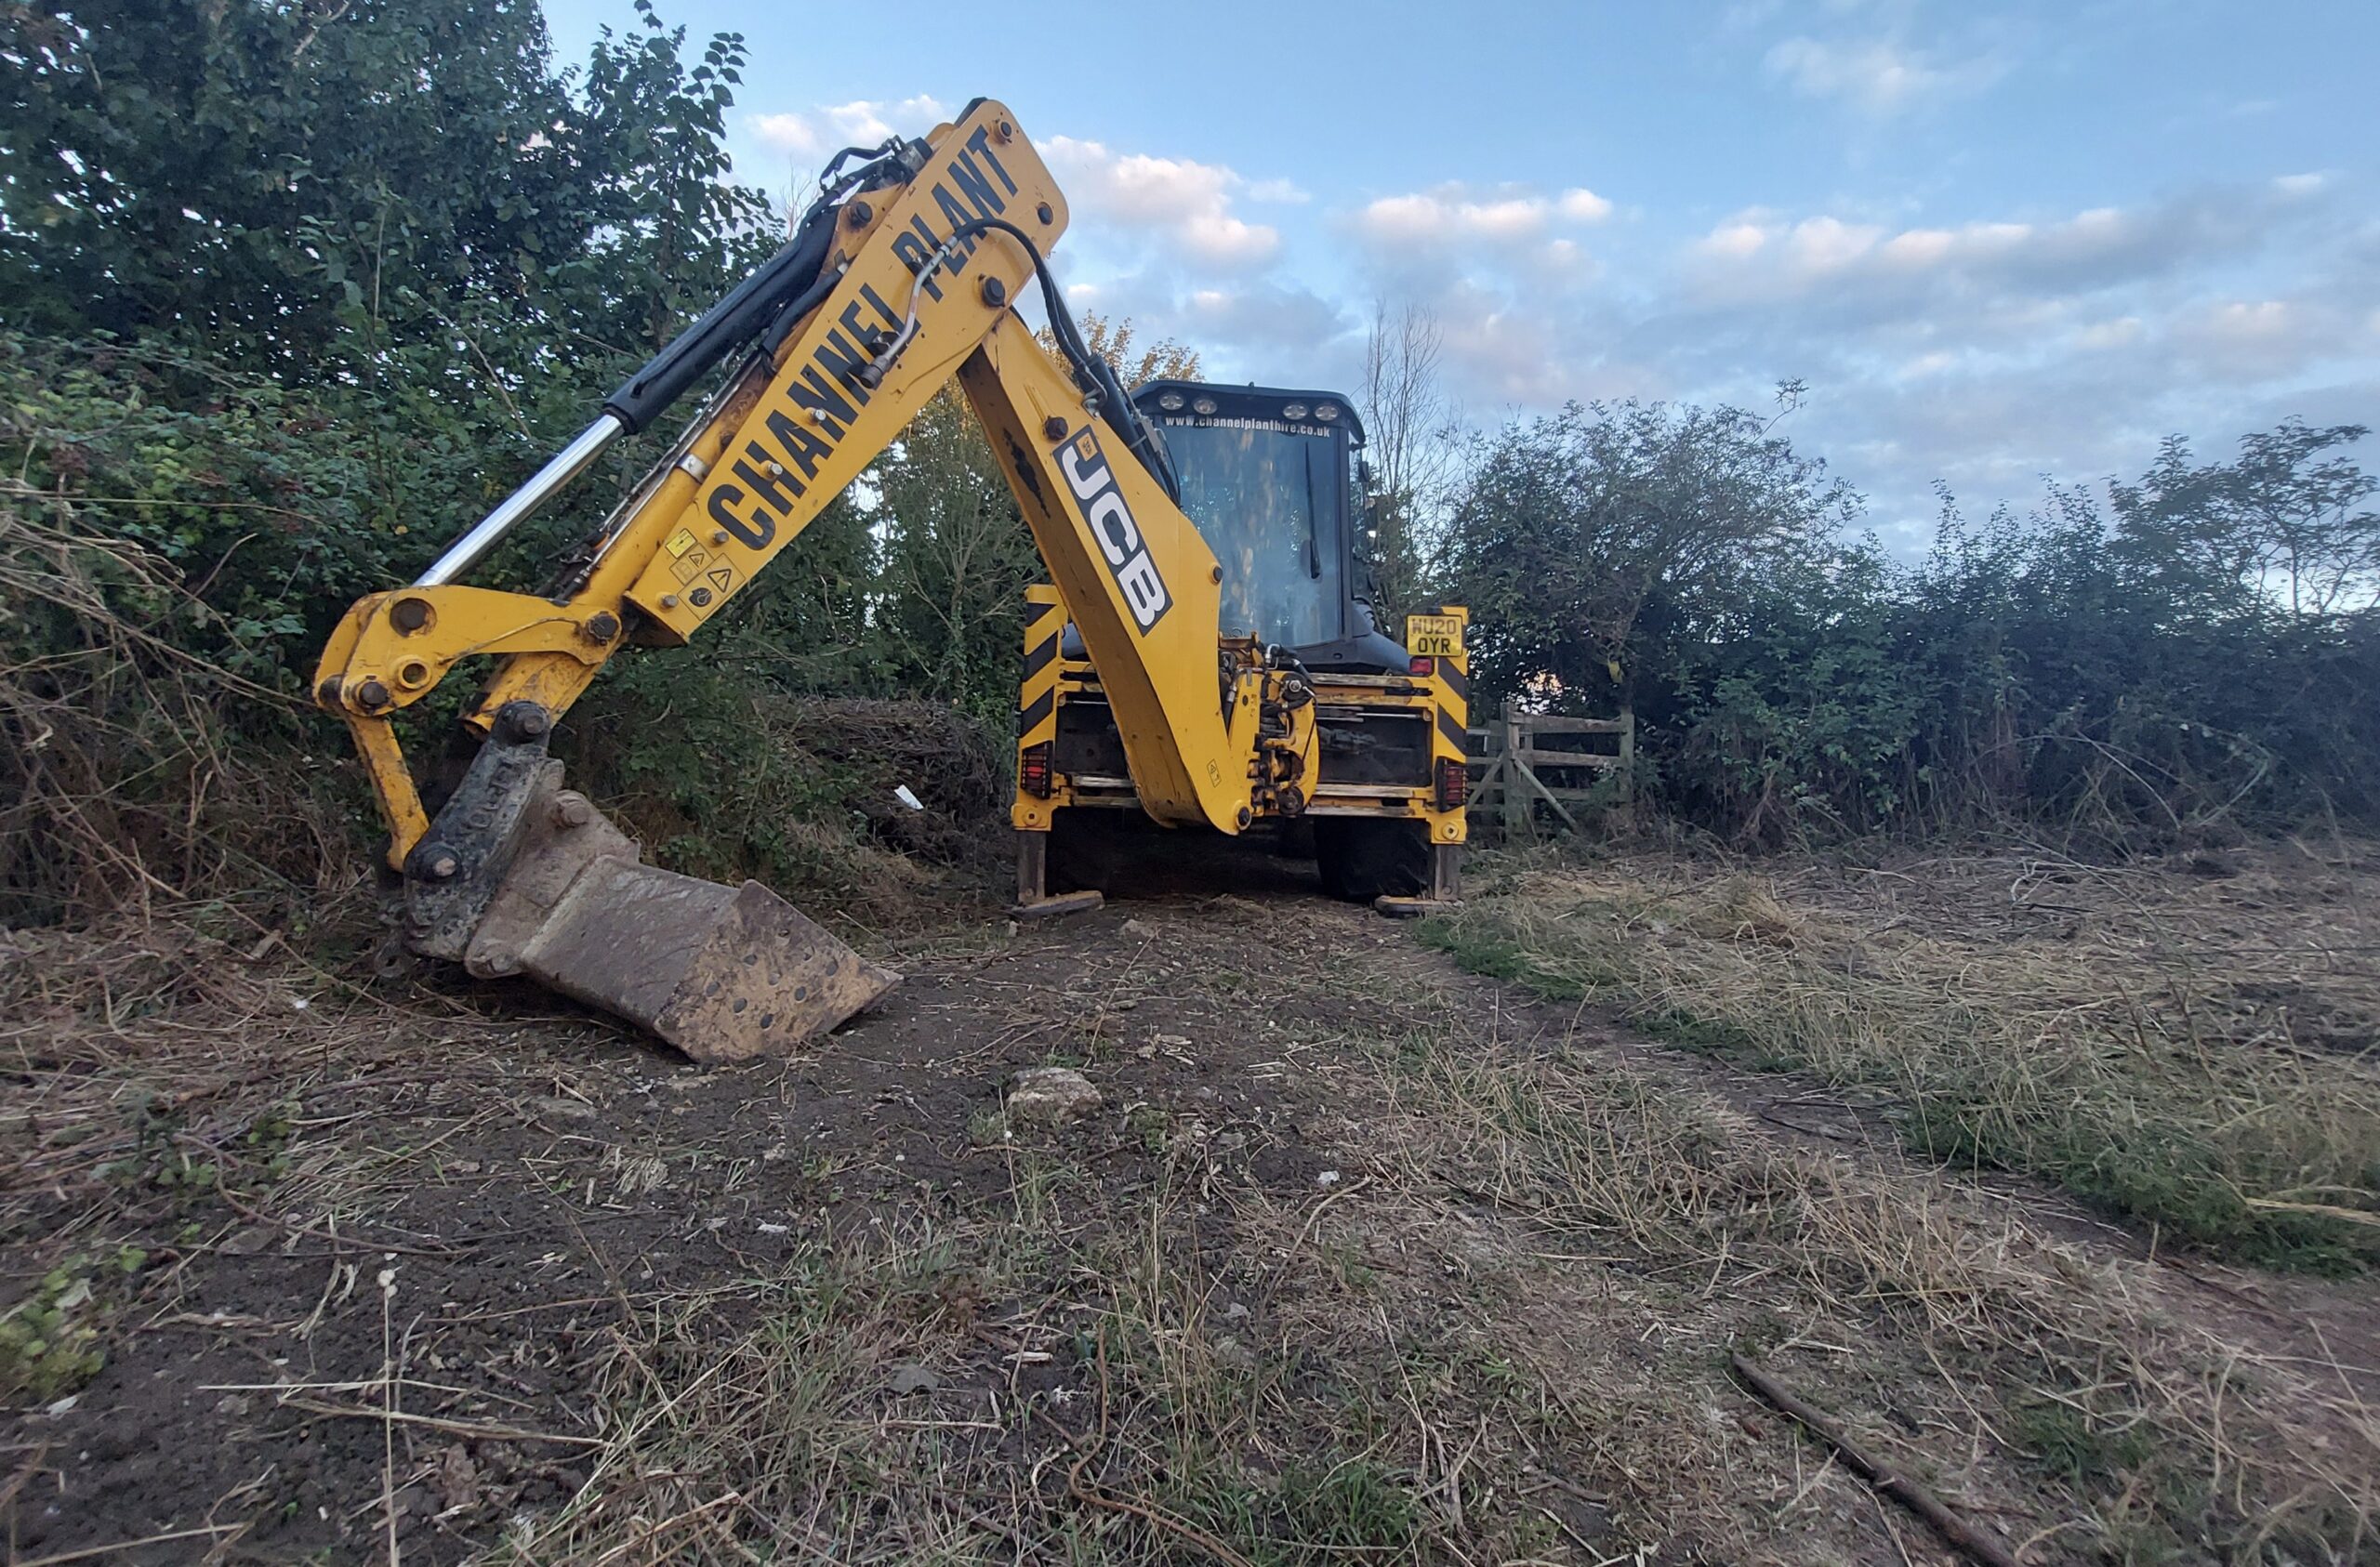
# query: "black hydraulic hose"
{"type": "Point", "coordinates": [780, 291]}
{"type": "Point", "coordinates": [727, 326]}
{"type": "Point", "coordinates": [1092, 373]}
{"type": "Point", "coordinates": [789, 285]}
{"type": "Point", "coordinates": [829, 188]}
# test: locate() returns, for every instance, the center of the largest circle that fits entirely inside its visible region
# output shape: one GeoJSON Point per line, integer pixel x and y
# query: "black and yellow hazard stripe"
{"type": "Point", "coordinates": [1450, 680]}
{"type": "Point", "coordinates": [1450, 683]}
{"type": "Point", "coordinates": [1036, 701]}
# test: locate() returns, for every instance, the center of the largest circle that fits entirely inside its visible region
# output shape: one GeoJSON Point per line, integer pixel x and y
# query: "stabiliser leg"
{"type": "Point", "coordinates": [518, 876]}
{"type": "Point", "coordinates": [1444, 892]}
{"type": "Point", "coordinates": [1033, 899]}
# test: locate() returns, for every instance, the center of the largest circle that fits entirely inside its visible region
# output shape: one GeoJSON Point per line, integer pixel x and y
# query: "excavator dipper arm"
{"type": "Point", "coordinates": [917, 275]}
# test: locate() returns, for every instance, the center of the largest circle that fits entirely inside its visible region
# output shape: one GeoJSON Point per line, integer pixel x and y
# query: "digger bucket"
{"type": "Point", "coordinates": [722, 973]}
{"type": "Point", "coordinates": [520, 875]}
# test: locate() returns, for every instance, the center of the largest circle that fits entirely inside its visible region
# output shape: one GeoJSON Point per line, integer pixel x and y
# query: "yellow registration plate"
{"type": "Point", "coordinates": [1434, 636]}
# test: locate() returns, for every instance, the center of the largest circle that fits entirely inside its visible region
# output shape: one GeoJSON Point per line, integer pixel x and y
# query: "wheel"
{"type": "Point", "coordinates": [1085, 848]}
{"type": "Point", "coordinates": [1362, 858]}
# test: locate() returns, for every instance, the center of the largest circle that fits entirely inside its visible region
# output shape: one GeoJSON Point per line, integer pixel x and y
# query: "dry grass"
{"type": "Point", "coordinates": [1043, 1384]}
{"type": "Point", "coordinates": [1498, 1335]}
{"type": "Point", "coordinates": [753, 1413]}
{"type": "Point", "coordinates": [2194, 1052]}
{"type": "Point", "coordinates": [133, 1051]}
{"type": "Point", "coordinates": [2009, 1357]}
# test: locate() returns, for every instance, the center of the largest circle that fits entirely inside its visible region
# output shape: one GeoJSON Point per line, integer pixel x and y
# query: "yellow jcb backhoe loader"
{"type": "Point", "coordinates": [1203, 654]}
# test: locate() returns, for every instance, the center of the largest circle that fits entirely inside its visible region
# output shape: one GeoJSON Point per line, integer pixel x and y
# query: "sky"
{"type": "Point", "coordinates": [1996, 242]}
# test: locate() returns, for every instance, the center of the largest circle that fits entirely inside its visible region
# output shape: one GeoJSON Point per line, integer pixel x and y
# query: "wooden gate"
{"type": "Point", "coordinates": [1526, 760]}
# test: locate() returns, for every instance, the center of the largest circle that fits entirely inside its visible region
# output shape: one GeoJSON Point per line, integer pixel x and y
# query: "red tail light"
{"type": "Point", "coordinates": [1421, 664]}
{"type": "Point", "coordinates": [1454, 783]}
{"type": "Point", "coordinates": [1033, 770]}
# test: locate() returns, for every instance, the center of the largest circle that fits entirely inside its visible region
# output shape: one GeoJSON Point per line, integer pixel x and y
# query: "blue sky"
{"type": "Point", "coordinates": [1996, 241]}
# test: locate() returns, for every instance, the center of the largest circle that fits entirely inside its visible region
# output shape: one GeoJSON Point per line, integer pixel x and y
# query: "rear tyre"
{"type": "Point", "coordinates": [1361, 859]}
{"type": "Point", "coordinates": [1085, 851]}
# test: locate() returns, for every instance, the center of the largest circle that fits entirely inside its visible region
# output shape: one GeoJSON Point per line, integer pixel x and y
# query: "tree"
{"type": "Point", "coordinates": [1113, 341]}
{"type": "Point", "coordinates": [956, 561]}
{"type": "Point", "coordinates": [1411, 445]}
{"type": "Point", "coordinates": [289, 186]}
{"type": "Point", "coordinates": [1580, 533]}
{"type": "Point", "coordinates": [231, 172]}
{"type": "Point", "coordinates": [387, 234]}
{"type": "Point", "coordinates": [2284, 524]}
{"type": "Point", "coordinates": [671, 234]}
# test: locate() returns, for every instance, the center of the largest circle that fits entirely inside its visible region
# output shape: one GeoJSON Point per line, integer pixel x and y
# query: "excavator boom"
{"type": "Point", "coordinates": [903, 276]}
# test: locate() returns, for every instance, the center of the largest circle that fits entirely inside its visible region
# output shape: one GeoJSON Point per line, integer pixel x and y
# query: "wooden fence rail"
{"type": "Point", "coordinates": [1522, 761]}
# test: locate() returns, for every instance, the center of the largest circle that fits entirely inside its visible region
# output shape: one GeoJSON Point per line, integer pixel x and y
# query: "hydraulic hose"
{"type": "Point", "coordinates": [736, 320]}
{"type": "Point", "coordinates": [1093, 373]}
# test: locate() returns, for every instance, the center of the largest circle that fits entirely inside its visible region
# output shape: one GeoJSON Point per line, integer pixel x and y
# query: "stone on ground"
{"type": "Point", "coordinates": [1050, 1096]}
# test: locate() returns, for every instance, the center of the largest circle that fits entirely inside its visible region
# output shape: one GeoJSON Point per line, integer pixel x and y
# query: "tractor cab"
{"type": "Point", "coordinates": [1270, 477]}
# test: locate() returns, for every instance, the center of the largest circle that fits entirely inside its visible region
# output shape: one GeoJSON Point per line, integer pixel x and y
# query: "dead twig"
{"type": "Point", "coordinates": [1090, 1493]}
{"type": "Point", "coordinates": [481, 1430]}
{"type": "Point", "coordinates": [2323, 1210]}
{"type": "Point", "coordinates": [1907, 1491]}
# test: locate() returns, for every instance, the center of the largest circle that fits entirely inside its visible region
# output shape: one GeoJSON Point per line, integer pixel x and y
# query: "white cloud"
{"type": "Point", "coordinates": [1279, 192]}
{"type": "Point", "coordinates": [1582, 206]}
{"type": "Point", "coordinates": [1188, 202]}
{"type": "Point", "coordinates": [2254, 339]}
{"type": "Point", "coordinates": [1876, 75]}
{"type": "Point", "coordinates": [788, 132]}
{"type": "Point", "coordinates": [1829, 244]}
{"type": "Point", "coordinates": [1760, 254]}
{"type": "Point", "coordinates": [1449, 212]}
{"type": "Point", "coordinates": [2251, 320]}
{"type": "Point", "coordinates": [862, 123]}
{"type": "Point", "coordinates": [1985, 352]}
{"type": "Point", "coordinates": [1733, 241]}
{"type": "Point", "coordinates": [2120, 333]}
{"type": "Point", "coordinates": [1283, 334]}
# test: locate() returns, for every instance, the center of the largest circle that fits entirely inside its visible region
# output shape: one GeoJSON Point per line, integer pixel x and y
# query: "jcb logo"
{"type": "Point", "coordinates": [1111, 522]}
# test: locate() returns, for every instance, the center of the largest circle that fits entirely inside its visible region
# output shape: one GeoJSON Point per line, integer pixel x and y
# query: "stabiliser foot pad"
{"type": "Point", "coordinates": [1051, 908]}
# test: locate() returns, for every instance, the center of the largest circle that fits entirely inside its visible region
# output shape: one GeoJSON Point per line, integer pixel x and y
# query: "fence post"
{"type": "Point", "coordinates": [1517, 805]}
{"type": "Point", "coordinates": [1628, 756]}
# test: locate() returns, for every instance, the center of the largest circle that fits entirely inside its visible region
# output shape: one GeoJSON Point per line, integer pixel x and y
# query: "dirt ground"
{"type": "Point", "coordinates": [1361, 1259]}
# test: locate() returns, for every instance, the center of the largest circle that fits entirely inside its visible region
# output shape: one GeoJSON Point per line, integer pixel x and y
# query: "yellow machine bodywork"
{"type": "Point", "coordinates": [1435, 690]}
{"type": "Point", "coordinates": [917, 286]}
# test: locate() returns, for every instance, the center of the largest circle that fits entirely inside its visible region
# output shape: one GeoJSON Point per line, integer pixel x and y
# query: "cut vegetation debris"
{"type": "Point", "coordinates": [2189, 1044]}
